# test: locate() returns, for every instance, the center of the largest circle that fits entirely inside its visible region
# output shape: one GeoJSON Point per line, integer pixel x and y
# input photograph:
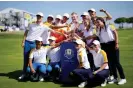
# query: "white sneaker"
{"type": "Point", "coordinates": [113, 81]}
{"type": "Point", "coordinates": [122, 81]}
{"type": "Point", "coordinates": [21, 77]}
{"type": "Point", "coordinates": [104, 83]}
{"type": "Point", "coordinates": [82, 85]}
{"type": "Point", "coordinates": [110, 78]}
{"type": "Point", "coordinates": [41, 79]}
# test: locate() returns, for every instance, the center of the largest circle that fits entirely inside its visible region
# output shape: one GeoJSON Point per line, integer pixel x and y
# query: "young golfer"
{"type": "Point", "coordinates": [83, 71]}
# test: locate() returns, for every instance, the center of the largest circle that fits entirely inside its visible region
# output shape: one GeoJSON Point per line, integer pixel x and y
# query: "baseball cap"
{"type": "Point", "coordinates": [39, 39]}
{"type": "Point", "coordinates": [96, 42]}
{"type": "Point", "coordinates": [40, 14]}
{"type": "Point", "coordinates": [85, 14]}
{"type": "Point", "coordinates": [66, 15]}
{"type": "Point", "coordinates": [80, 42]}
{"type": "Point", "coordinates": [59, 17]}
{"type": "Point", "coordinates": [52, 38]}
{"type": "Point", "coordinates": [92, 9]}
{"type": "Point", "coordinates": [51, 16]}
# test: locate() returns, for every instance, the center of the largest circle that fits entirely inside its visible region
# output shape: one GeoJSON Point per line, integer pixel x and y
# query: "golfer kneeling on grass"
{"type": "Point", "coordinates": [83, 72]}
{"type": "Point", "coordinates": [101, 71]}
{"type": "Point", "coordinates": [37, 59]}
{"type": "Point", "coordinates": [53, 67]}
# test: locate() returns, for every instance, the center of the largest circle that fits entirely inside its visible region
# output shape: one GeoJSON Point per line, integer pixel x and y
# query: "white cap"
{"type": "Point", "coordinates": [40, 14]}
{"type": "Point", "coordinates": [52, 38]}
{"type": "Point", "coordinates": [51, 16]}
{"type": "Point", "coordinates": [79, 41]}
{"type": "Point", "coordinates": [96, 42]}
{"type": "Point", "coordinates": [85, 14]}
{"type": "Point", "coordinates": [39, 39]}
{"type": "Point", "coordinates": [59, 17]}
{"type": "Point", "coordinates": [66, 15]}
{"type": "Point", "coordinates": [92, 9]}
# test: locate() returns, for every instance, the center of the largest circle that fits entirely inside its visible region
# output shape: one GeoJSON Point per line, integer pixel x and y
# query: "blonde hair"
{"type": "Point", "coordinates": [74, 13]}
{"type": "Point", "coordinates": [88, 24]}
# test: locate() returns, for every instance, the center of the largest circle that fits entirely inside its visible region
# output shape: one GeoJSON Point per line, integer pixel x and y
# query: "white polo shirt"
{"type": "Point", "coordinates": [100, 58]}
{"type": "Point", "coordinates": [81, 27]}
{"type": "Point", "coordinates": [54, 54]}
{"type": "Point", "coordinates": [90, 32]}
{"type": "Point", "coordinates": [106, 35]}
{"type": "Point", "coordinates": [39, 55]}
{"type": "Point", "coordinates": [74, 25]}
{"type": "Point", "coordinates": [83, 59]}
{"type": "Point", "coordinates": [35, 31]}
{"type": "Point", "coordinates": [45, 36]}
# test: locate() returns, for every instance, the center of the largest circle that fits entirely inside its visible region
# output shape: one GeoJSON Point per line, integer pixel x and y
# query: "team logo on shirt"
{"type": "Point", "coordinates": [69, 53]}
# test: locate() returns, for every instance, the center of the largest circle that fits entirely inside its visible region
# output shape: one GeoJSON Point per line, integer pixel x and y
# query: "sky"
{"type": "Point", "coordinates": [115, 8]}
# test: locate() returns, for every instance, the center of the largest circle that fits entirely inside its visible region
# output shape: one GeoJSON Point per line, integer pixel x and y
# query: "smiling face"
{"type": "Point", "coordinates": [65, 19]}
{"type": "Point", "coordinates": [38, 44]}
{"type": "Point", "coordinates": [87, 24]}
{"type": "Point", "coordinates": [57, 20]}
{"type": "Point", "coordinates": [84, 17]}
{"type": "Point", "coordinates": [50, 19]}
{"type": "Point", "coordinates": [74, 17]}
{"type": "Point", "coordinates": [99, 23]}
{"type": "Point", "coordinates": [52, 42]}
{"type": "Point", "coordinates": [39, 18]}
{"type": "Point", "coordinates": [95, 47]}
{"type": "Point", "coordinates": [92, 14]}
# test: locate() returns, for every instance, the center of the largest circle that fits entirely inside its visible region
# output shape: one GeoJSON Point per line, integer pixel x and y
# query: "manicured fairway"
{"type": "Point", "coordinates": [11, 60]}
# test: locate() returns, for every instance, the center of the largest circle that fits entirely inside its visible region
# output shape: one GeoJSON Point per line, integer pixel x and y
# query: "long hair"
{"type": "Point", "coordinates": [88, 24]}
{"type": "Point", "coordinates": [102, 20]}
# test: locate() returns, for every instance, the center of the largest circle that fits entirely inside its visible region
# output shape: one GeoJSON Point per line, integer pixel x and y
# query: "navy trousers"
{"type": "Point", "coordinates": [113, 59]}
{"type": "Point", "coordinates": [102, 75]}
{"type": "Point", "coordinates": [82, 74]}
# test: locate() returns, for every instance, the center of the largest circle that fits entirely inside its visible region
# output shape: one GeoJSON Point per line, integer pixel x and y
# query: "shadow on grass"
{"type": "Point", "coordinates": [13, 75]}
{"type": "Point", "coordinates": [90, 84]}
{"type": "Point", "coordinates": [73, 85]}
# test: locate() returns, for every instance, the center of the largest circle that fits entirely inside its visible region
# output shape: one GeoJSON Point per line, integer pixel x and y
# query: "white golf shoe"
{"type": "Point", "coordinates": [82, 85]}
{"type": "Point", "coordinates": [122, 81]}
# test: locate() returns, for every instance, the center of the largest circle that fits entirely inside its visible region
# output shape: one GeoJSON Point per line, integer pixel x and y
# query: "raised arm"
{"type": "Point", "coordinates": [108, 16]}
{"type": "Point", "coordinates": [54, 26]}
{"type": "Point", "coordinates": [90, 37]}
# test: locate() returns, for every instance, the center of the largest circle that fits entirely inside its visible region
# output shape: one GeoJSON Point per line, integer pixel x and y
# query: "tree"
{"type": "Point", "coordinates": [123, 20]}
{"type": "Point", "coordinates": [120, 21]}
{"type": "Point", "coordinates": [131, 21]}
{"type": "Point", "coordinates": [117, 21]}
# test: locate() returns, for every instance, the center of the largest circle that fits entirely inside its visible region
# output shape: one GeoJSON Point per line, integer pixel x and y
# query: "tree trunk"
{"type": "Point", "coordinates": [122, 25]}
{"type": "Point", "coordinates": [119, 25]}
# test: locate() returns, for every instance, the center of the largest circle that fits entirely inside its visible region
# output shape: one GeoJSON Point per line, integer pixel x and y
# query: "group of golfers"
{"type": "Point", "coordinates": [96, 43]}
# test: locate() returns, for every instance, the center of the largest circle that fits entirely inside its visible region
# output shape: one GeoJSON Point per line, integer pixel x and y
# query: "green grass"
{"type": "Point", "coordinates": [11, 60]}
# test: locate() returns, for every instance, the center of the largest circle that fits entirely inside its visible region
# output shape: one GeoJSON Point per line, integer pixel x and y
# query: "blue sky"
{"type": "Point", "coordinates": [115, 8]}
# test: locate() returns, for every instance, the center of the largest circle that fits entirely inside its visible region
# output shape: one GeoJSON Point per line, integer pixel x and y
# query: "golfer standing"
{"type": "Point", "coordinates": [33, 31]}
{"type": "Point", "coordinates": [109, 42]}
